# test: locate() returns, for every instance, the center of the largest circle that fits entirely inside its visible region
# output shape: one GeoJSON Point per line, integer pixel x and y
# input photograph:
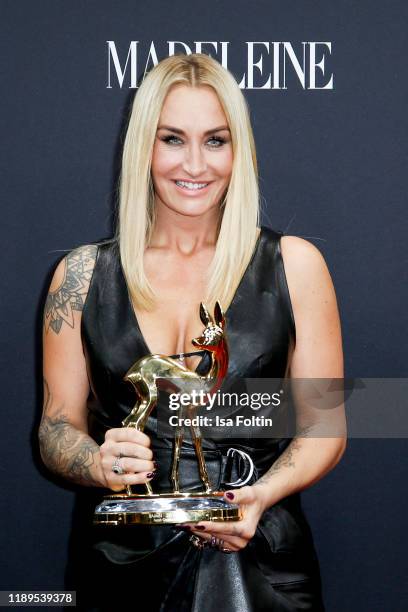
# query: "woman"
{"type": "Point", "coordinates": [188, 232]}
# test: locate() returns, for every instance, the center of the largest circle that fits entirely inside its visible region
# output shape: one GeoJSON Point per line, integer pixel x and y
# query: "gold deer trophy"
{"type": "Point", "coordinates": [147, 375]}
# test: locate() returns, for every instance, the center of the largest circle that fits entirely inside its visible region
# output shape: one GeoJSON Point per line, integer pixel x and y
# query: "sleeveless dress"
{"type": "Point", "coordinates": [156, 568]}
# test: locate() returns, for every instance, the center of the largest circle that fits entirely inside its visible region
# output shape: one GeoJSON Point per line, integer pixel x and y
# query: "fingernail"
{"type": "Point", "coordinates": [151, 474]}
{"type": "Point", "coordinates": [229, 495]}
{"type": "Point", "coordinates": [200, 527]}
{"type": "Point", "coordinates": [185, 527]}
{"type": "Point", "coordinates": [156, 465]}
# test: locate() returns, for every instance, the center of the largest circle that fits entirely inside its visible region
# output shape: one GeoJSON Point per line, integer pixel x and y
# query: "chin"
{"type": "Point", "coordinates": [188, 209]}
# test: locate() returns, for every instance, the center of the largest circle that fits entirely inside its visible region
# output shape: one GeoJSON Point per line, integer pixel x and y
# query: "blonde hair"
{"type": "Point", "coordinates": [239, 210]}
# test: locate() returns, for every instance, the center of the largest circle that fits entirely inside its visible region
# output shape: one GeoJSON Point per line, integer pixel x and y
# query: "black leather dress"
{"type": "Point", "coordinates": [156, 568]}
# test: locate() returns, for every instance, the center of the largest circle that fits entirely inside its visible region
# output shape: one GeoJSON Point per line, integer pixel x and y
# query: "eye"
{"type": "Point", "coordinates": [171, 139]}
{"type": "Point", "coordinates": [220, 141]}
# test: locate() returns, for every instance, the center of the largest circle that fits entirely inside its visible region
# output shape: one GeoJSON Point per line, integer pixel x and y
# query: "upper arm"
{"type": "Point", "coordinates": [66, 384]}
{"type": "Point", "coordinates": [318, 352]}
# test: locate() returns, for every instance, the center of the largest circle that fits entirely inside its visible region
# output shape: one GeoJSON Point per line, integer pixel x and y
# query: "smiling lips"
{"type": "Point", "coordinates": [191, 186]}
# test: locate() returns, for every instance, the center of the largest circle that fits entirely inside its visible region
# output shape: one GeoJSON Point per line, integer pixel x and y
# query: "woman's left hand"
{"type": "Point", "coordinates": [235, 534]}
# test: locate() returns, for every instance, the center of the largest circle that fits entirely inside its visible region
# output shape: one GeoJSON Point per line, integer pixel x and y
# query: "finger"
{"type": "Point", "coordinates": [130, 479]}
{"type": "Point", "coordinates": [111, 449]}
{"type": "Point", "coordinates": [230, 542]}
{"type": "Point", "coordinates": [127, 464]}
{"type": "Point", "coordinates": [239, 529]}
{"type": "Point", "coordinates": [205, 527]}
{"type": "Point", "coordinates": [129, 449]}
{"type": "Point", "coordinates": [245, 495]}
{"type": "Point", "coordinates": [127, 434]}
{"type": "Point", "coordinates": [136, 465]}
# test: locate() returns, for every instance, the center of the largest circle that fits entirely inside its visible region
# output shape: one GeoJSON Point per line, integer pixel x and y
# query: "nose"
{"type": "Point", "coordinates": [195, 163]}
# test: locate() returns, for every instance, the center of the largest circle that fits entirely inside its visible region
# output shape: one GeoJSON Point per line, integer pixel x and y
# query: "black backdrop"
{"type": "Point", "coordinates": [333, 170]}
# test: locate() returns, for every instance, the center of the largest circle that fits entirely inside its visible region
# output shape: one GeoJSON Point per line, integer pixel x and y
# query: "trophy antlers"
{"type": "Point", "coordinates": [213, 340]}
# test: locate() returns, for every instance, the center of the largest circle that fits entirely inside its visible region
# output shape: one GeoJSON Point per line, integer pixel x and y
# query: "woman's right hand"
{"type": "Point", "coordinates": [136, 457]}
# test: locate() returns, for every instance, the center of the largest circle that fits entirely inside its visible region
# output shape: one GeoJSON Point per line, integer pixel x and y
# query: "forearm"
{"type": "Point", "coordinates": [305, 461]}
{"type": "Point", "coordinates": [69, 452]}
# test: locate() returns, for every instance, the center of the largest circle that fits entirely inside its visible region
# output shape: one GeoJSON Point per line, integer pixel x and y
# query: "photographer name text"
{"type": "Point", "coordinates": [216, 421]}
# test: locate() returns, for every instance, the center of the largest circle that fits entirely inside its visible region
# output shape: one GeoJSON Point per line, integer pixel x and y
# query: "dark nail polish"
{"type": "Point", "coordinates": [184, 527]}
{"type": "Point", "coordinates": [151, 474]}
{"type": "Point", "coordinates": [229, 495]}
{"type": "Point", "coordinates": [200, 527]}
{"type": "Point", "coordinates": [156, 465]}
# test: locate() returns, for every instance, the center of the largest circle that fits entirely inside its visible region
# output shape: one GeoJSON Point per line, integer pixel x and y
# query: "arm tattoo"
{"type": "Point", "coordinates": [70, 296]}
{"type": "Point", "coordinates": [287, 458]}
{"type": "Point", "coordinates": [66, 450]}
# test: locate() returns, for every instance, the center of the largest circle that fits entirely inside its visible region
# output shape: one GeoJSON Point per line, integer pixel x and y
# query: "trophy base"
{"type": "Point", "coordinates": [164, 509]}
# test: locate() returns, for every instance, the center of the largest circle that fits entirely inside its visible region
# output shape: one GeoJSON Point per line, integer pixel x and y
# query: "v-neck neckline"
{"type": "Point", "coordinates": [136, 324]}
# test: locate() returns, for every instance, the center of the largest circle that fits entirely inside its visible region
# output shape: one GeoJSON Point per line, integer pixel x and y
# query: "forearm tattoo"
{"type": "Point", "coordinates": [287, 458]}
{"type": "Point", "coordinates": [66, 450]}
{"type": "Point", "coordinates": [70, 296]}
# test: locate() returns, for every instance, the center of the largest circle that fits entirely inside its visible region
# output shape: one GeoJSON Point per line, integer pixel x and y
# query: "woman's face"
{"type": "Point", "coordinates": [192, 145]}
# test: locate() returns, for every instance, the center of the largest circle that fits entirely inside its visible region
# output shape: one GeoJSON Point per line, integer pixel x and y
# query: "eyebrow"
{"type": "Point", "coordinates": [178, 131]}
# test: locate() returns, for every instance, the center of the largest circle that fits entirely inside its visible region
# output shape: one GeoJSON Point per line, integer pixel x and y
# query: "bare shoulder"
{"type": "Point", "coordinates": [305, 267]}
{"type": "Point", "coordinates": [300, 252]}
{"type": "Point", "coordinates": [69, 287]}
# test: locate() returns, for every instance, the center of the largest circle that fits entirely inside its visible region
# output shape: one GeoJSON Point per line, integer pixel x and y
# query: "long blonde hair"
{"type": "Point", "coordinates": [239, 210]}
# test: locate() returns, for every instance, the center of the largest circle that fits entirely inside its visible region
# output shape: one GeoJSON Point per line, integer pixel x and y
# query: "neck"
{"type": "Point", "coordinates": [184, 234]}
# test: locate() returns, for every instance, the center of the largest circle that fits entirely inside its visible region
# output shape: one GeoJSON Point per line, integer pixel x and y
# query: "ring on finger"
{"type": "Point", "coordinates": [215, 542]}
{"type": "Point", "coordinates": [116, 467]}
{"type": "Point", "coordinates": [220, 544]}
{"type": "Point", "coordinates": [197, 541]}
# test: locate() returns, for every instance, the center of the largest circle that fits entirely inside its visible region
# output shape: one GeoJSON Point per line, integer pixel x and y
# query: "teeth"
{"type": "Point", "coordinates": [192, 186]}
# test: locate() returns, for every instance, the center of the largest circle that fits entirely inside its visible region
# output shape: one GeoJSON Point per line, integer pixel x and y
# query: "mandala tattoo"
{"type": "Point", "coordinates": [71, 295]}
